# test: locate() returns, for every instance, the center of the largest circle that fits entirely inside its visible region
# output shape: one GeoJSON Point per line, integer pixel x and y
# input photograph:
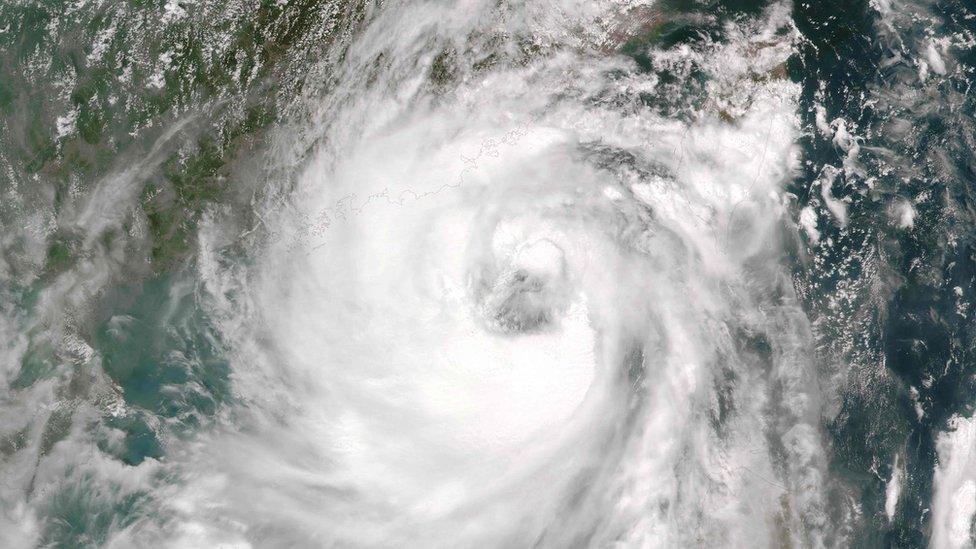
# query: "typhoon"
{"type": "Point", "coordinates": [544, 273]}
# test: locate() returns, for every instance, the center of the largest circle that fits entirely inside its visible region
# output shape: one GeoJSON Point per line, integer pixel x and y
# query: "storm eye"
{"type": "Point", "coordinates": [526, 292]}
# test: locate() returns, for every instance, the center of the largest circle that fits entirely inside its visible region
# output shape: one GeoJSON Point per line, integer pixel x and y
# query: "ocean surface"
{"type": "Point", "coordinates": [536, 273]}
